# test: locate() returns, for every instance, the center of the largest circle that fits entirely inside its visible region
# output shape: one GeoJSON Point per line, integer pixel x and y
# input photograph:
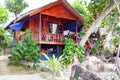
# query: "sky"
{"type": "Point", "coordinates": [37, 3]}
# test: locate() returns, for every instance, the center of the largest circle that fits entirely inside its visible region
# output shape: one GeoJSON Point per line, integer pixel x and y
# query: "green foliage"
{"type": "Point", "coordinates": [117, 30]}
{"type": "Point", "coordinates": [54, 63]}
{"type": "Point", "coordinates": [3, 15]}
{"type": "Point", "coordinates": [5, 39]}
{"type": "Point", "coordinates": [97, 6]}
{"type": "Point", "coordinates": [2, 38]}
{"type": "Point", "coordinates": [111, 20]}
{"type": "Point", "coordinates": [16, 6]}
{"type": "Point", "coordinates": [79, 78]}
{"type": "Point", "coordinates": [80, 51]}
{"type": "Point", "coordinates": [107, 50]}
{"type": "Point", "coordinates": [98, 46]}
{"type": "Point", "coordinates": [81, 7]}
{"type": "Point", "coordinates": [68, 51]}
{"type": "Point", "coordinates": [115, 40]}
{"type": "Point", "coordinates": [82, 33]}
{"type": "Point", "coordinates": [26, 50]}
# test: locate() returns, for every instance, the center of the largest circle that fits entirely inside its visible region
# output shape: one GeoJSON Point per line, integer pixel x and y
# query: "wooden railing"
{"type": "Point", "coordinates": [52, 37]}
{"type": "Point", "coordinates": [35, 36]}
{"type": "Point", "coordinates": [56, 37]}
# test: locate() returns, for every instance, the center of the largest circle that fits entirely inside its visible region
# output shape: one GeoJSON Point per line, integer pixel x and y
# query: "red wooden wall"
{"type": "Point", "coordinates": [59, 11]}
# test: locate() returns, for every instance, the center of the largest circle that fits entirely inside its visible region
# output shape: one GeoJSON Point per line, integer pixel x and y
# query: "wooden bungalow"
{"type": "Point", "coordinates": [49, 24]}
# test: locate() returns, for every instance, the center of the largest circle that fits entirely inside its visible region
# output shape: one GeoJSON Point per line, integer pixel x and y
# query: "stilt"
{"type": "Point", "coordinates": [57, 51]}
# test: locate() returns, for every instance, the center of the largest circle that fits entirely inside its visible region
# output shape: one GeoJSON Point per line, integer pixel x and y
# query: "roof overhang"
{"type": "Point", "coordinates": [41, 9]}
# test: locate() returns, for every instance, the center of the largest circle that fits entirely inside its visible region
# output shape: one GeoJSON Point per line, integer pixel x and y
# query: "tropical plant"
{"type": "Point", "coordinates": [96, 7]}
{"type": "Point", "coordinates": [80, 51]}
{"type": "Point", "coordinates": [82, 33]}
{"type": "Point", "coordinates": [3, 15]}
{"type": "Point", "coordinates": [16, 6]}
{"type": "Point", "coordinates": [81, 7]}
{"type": "Point", "coordinates": [99, 11]}
{"type": "Point", "coordinates": [98, 47]}
{"type": "Point", "coordinates": [68, 51]}
{"type": "Point", "coordinates": [26, 50]}
{"type": "Point", "coordinates": [107, 50]}
{"type": "Point", "coordinates": [115, 40]}
{"type": "Point", "coordinates": [55, 64]}
{"type": "Point", "coordinates": [2, 38]}
{"type": "Point", "coordinates": [5, 39]}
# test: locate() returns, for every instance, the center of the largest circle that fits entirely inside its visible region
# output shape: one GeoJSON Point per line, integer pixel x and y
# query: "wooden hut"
{"type": "Point", "coordinates": [49, 24]}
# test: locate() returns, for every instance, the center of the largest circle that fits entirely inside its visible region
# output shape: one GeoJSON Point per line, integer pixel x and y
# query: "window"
{"type": "Point", "coordinates": [53, 28]}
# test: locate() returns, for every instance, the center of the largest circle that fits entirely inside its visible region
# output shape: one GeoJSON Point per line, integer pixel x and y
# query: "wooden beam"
{"type": "Point", "coordinates": [55, 43]}
{"type": "Point", "coordinates": [40, 27]}
{"type": "Point", "coordinates": [76, 31]}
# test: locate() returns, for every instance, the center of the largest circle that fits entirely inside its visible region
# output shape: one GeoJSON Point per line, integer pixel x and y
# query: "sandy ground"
{"type": "Point", "coordinates": [21, 77]}
{"type": "Point", "coordinates": [8, 72]}
{"type": "Point", "coordinates": [20, 73]}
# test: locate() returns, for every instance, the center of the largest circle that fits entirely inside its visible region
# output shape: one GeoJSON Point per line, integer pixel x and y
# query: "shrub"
{"type": "Point", "coordinates": [98, 47]}
{"type": "Point", "coordinates": [82, 33]}
{"type": "Point", "coordinates": [80, 51]}
{"type": "Point", "coordinates": [68, 51]}
{"type": "Point", "coordinates": [26, 50]}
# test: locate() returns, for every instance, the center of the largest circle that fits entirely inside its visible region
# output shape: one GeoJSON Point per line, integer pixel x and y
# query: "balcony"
{"type": "Point", "coordinates": [55, 38]}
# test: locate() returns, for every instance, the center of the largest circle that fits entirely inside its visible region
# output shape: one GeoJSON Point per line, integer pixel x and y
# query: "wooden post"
{"type": "Point", "coordinates": [57, 51]}
{"type": "Point", "coordinates": [40, 25]}
{"type": "Point", "coordinates": [76, 32]}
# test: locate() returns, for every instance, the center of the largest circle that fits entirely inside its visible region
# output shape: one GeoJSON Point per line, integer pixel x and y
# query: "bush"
{"type": "Point", "coordinates": [68, 51]}
{"type": "Point", "coordinates": [26, 50]}
{"type": "Point", "coordinates": [55, 64]}
{"type": "Point", "coordinates": [82, 33]}
{"type": "Point", "coordinates": [80, 51]}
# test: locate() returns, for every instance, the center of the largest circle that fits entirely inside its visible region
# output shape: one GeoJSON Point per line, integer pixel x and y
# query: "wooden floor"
{"type": "Point", "coordinates": [55, 43]}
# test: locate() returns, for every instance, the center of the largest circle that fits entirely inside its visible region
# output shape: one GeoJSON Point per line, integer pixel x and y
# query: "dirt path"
{"type": "Point", "coordinates": [6, 72]}
{"type": "Point", "coordinates": [21, 77]}
{"type": "Point", "coordinates": [20, 73]}
{"type": "Point", "coordinates": [3, 64]}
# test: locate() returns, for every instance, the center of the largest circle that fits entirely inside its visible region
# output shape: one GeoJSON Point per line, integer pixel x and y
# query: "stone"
{"type": "Point", "coordinates": [93, 64]}
{"type": "Point", "coordinates": [78, 71]}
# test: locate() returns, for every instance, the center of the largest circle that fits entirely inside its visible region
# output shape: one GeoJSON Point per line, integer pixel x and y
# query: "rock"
{"type": "Point", "coordinates": [108, 67]}
{"type": "Point", "coordinates": [102, 57]}
{"type": "Point", "coordinates": [93, 64]}
{"type": "Point", "coordinates": [78, 71]}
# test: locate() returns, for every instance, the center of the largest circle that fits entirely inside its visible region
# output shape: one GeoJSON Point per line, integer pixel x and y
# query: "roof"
{"type": "Point", "coordinates": [39, 10]}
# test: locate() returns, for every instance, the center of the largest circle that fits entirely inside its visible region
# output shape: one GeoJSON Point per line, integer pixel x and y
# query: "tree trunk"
{"type": "Point", "coordinates": [97, 22]}
{"type": "Point", "coordinates": [118, 60]}
{"type": "Point", "coordinates": [16, 14]}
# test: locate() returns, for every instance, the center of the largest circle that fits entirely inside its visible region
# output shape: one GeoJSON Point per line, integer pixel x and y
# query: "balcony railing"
{"type": "Point", "coordinates": [52, 37]}
{"type": "Point", "coordinates": [56, 37]}
{"type": "Point", "coordinates": [46, 38]}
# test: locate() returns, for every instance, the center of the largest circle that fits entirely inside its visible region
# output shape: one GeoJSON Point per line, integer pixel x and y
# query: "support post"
{"type": "Point", "coordinates": [76, 32]}
{"type": "Point", "coordinates": [57, 51]}
{"type": "Point", "coordinates": [40, 26]}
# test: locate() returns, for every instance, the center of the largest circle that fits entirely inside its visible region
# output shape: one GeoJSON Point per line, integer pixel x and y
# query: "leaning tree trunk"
{"type": "Point", "coordinates": [97, 22]}
{"type": "Point", "coordinates": [118, 53]}
{"type": "Point", "coordinates": [118, 61]}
